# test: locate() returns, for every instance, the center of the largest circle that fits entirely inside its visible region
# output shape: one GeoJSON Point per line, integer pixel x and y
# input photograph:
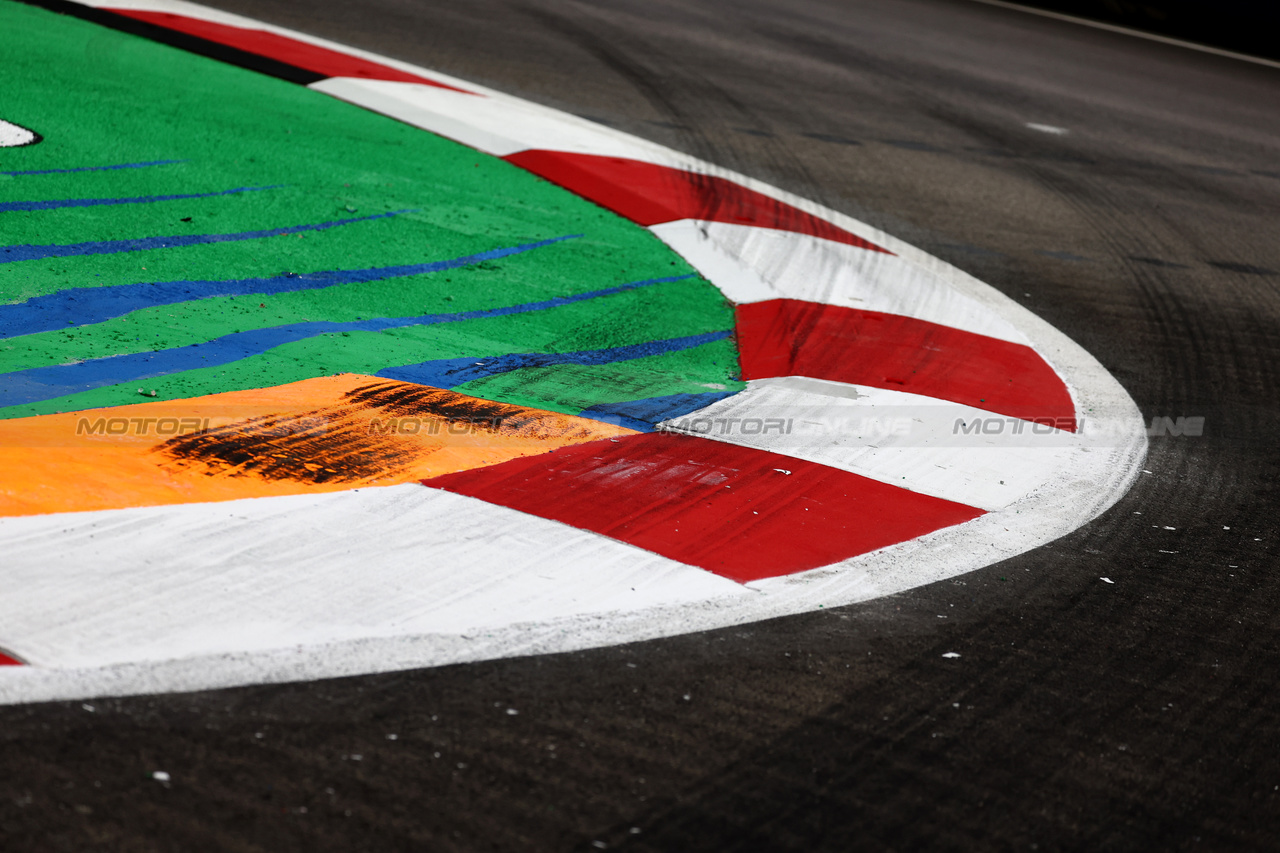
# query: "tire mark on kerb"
{"type": "Point", "coordinates": [359, 439]}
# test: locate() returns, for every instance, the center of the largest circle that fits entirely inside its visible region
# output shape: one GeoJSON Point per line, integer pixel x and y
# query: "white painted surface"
{"type": "Point", "coordinates": [193, 10]}
{"type": "Point", "coordinates": [496, 124]}
{"type": "Point", "coordinates": [12, 135]}
{"type": "Point", "coordinates": [754, 264]}
{"type": "Point", "coordinates": [157, 583]}
{"type": "Point", "coordinates": [905, 440]}
{"type": "Point", "coordinates": [199, 596]}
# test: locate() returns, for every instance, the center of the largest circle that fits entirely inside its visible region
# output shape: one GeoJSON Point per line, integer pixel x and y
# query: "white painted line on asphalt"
{"type": "Point", "coordinates": [1115, 28]}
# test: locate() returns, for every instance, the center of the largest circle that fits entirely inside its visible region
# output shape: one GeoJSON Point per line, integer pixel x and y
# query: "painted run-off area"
{"type": "Point", "coordinates": [311, 227]}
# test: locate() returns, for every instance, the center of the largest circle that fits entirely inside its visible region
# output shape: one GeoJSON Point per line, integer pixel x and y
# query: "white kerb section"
{"type": "Point", "coordinates": [918, 443]}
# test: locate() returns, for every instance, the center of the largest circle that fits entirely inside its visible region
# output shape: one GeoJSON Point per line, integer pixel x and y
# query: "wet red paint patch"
{"type": "Point", "coordinates": [742, 513]}
{"type": "Point", "coordinates": [300, 54]}
{"type": "Point", "coordinates": [788, 337]}
{"type": "Point", "coordinates": [650, 194]}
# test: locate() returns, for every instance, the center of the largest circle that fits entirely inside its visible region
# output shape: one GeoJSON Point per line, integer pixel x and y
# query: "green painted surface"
{"type": "Point", "coordinates": [100, 97]}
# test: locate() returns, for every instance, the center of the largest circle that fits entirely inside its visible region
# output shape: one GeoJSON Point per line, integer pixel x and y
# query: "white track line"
{"type": "Point", "coordinates": [1126, 31]}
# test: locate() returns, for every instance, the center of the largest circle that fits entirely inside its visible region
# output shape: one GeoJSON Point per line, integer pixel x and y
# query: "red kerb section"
{"type": "Point", "coordinates": [742, 513]}
{"type": "Point", "coordinates": [788, 337]}
{"type": "Point", "coordinates": [650, 194]}
{"type": "Point", "coordinates": [321, 60]}
{"type": "Point", "coordinates": [5, 660]}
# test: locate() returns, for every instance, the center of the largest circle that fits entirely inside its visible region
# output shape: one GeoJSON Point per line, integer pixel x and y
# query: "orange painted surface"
{"type": "Point", "coordinates": [319, 435]}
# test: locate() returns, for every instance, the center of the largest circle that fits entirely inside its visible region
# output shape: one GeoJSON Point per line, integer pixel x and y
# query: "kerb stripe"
{"type": "Point", "coordinates": [651, 194]}
{"type": "Point", "coordinates": [788, 337]}
{"type": "Point", "coordinates": [742, 513]}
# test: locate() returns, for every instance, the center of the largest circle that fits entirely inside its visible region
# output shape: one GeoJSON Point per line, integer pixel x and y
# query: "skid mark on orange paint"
{"type": "Point", "coordinates": [326, 434]}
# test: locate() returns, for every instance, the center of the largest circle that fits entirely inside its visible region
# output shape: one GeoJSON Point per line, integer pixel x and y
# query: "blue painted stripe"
{"type": "Point", "coordinates": [645, 414]}
{"type": "Point", "coordinates": [142, 165]}
{"type": "Point", "coordinates": [22, 387]}
{"type": "Point", "coordinates": [142, 199]}
{"type": "Point", "coordinates": [452, 372]}
{"type": "Point", "coordinates": [27, 252]}
{"type": "Point", "coordinates": [94, 304]}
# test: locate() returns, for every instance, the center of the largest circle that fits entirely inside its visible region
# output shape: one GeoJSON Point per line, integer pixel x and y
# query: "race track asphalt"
{"type": "Point", "coordinates": [1138, 714]}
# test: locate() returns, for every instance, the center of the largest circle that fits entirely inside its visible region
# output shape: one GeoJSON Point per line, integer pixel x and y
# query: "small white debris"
{"type": "Point", "coordinates": [511, 712]}
{"type": "Point", "coordinates": [1226, 528]}
{"type": "Point", "coordinates": [1106, 580]}
{"type": "Point", "coordinates": [1145, 471]}
{"type": "Point", "coordinates": [686, 697]}
{"type": "Point", "coordinates": [1167, 527]}
{"type": "Point", "coordinates": [635, 830]}
{"type": "Point", "coordinates": [87, 707]}
{"type": "Point", "coordinates": [782, 470]}
{"type": "Point", "coordinates": [951, 655]}
{"type": "Point", "coordinates": [393, 737]}
{"type": "Point", "coordinates": [160, 776]}
{"type": "Point", "coordinates": [599, 845]}
{"type": "Point", "coordinates": [1047, 128]}
{"type": "Point", "coordinates": [259, 735]}
{"type": "Point", "coordinates": [1163, 551]}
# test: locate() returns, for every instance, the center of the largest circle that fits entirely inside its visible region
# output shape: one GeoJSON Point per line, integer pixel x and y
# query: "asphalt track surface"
{"type": "Point", "coordinates": [1081, 714]}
